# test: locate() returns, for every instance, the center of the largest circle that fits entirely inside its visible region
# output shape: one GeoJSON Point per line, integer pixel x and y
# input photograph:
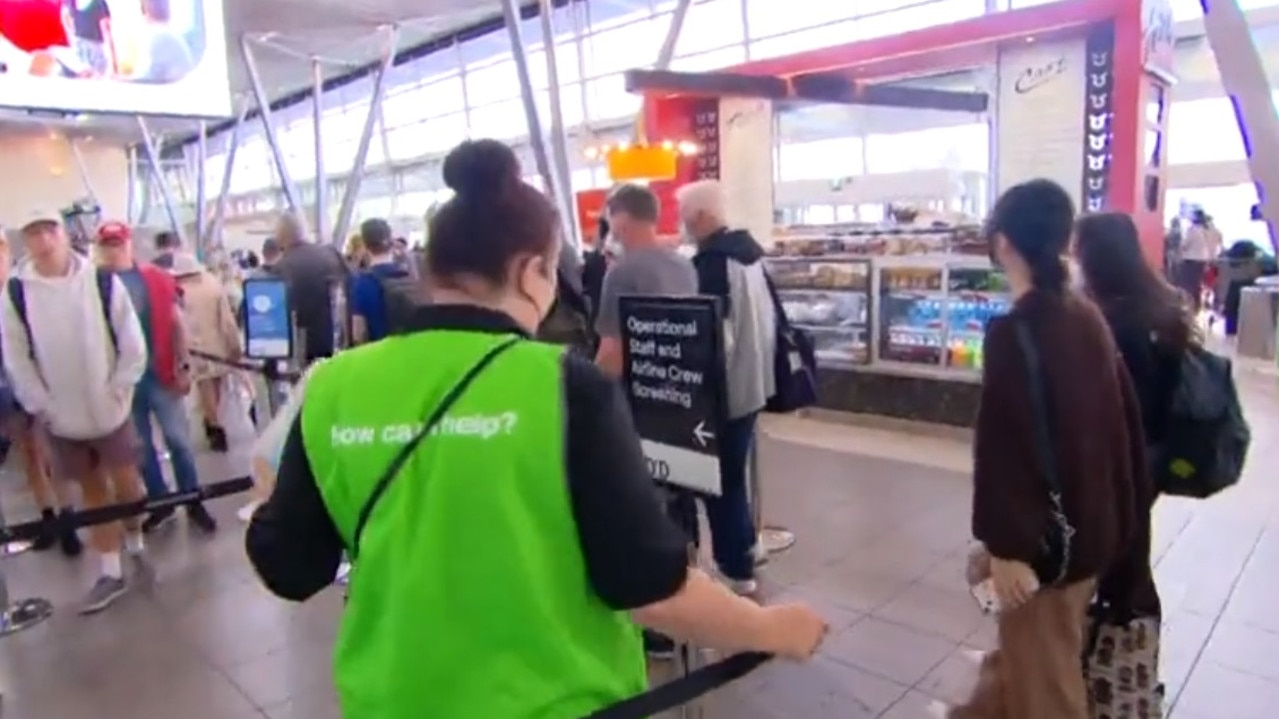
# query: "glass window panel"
{"type": "Point", "coordinates": [607, 99]}
{"type": "Point", "coordinates": [490, 84]}
{"type": "Point", "coordinates": [820, 160]}
{"type": "Point", "coordinates": [960, 147]}
{"type": "Point", "coordinates": [1203, 131]}
{"type": "Point", "coordinates": [713, 60]}
{"type": "Point", "coordinates": [711, 24]}
{"type": "Point", "coordinates": [565, 64]}
{"type": "Point", "coordinates": [499, 121]}
{"type": "Point", "coordinates": [441, 97]}
{"type": "Point", "coordinates": [570, 105]}
{"type": "Point", "coordinates": [403, 107]}
{"type": "Point", "coordinates": [913, 18]}
{"type": "Point", "coordinates": [342, 126]}
{"type": "Point", "coordinates": [624, 48]}
{"type": "Point", "coordinates": [340, 157]}
{"type": "Point", "coordinates": [773, 17]}
{"type": "Point", "coordinates": [436, 136]}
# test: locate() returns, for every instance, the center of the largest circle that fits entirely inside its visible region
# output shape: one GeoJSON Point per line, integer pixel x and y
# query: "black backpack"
{"type": "Point", "coordinates": [106, 286]}
{"type": "Point", "coordinates": [1207, 438]}
{"type": "Point", "coordinates": [403, 295]}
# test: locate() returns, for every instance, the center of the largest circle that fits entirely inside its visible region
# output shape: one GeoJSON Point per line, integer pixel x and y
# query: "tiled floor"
{"type": "Point", "coordinates": [882, 531]}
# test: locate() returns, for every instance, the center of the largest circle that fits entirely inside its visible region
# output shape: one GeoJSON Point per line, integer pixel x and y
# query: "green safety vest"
{"type": "Point", "coordinates": [469, 598]}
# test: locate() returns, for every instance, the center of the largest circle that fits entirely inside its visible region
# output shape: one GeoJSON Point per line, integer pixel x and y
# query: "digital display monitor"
{"type": "Point", "coordinates": [145, 57]}
{"type": "Point", "coordinates": [268, 325]}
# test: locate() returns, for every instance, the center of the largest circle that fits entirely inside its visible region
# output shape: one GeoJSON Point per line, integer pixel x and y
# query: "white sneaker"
{"type": "Point", "coordinates": [344, 574]}
{"type": "Point", "coordinates": [246, 512]}
{"type": "Point", "coordinates": [743, 587]}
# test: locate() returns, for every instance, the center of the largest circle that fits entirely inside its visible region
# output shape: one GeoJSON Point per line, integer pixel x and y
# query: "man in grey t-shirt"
{"type": "Point", "coordinates": [644, 267]}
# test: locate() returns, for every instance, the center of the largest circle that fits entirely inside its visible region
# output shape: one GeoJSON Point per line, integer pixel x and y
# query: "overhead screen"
{"type": "Point", "coordinates": [146, 57]}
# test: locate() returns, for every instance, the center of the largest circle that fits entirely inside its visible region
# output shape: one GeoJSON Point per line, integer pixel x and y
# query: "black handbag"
{"type": "Point", "coordinates": [794, 362]}
{"type": "Point", "coordinates": [1054, 554]}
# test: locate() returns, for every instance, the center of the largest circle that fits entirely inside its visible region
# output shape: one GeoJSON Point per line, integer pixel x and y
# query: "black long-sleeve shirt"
{"type": "Point", "coordinates": [634, 554]}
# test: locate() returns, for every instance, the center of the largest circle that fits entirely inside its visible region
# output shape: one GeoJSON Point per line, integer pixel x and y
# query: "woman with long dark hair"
{"type": "Point", "coordinates": [1054, 465]}
{"type": "Point", "coordinates": [1153, 326]}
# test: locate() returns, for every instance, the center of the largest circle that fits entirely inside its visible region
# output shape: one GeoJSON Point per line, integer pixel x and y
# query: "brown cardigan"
{"type": "Point", "coordinates": [1097, 437]}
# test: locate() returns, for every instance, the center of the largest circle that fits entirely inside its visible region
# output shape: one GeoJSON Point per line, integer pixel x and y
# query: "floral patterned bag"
{"type": "Point", "coordinates": [1121, 667]}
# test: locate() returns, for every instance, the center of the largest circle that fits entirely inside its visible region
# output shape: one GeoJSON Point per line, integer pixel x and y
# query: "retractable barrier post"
{"type": "Point", "coordinates": [16, 615]}
{"type": "Point", "coordinates": [771, 539]}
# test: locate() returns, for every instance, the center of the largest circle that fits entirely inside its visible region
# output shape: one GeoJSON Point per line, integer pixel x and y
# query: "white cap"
{"type": "Point", "coordinates": [39, 215]}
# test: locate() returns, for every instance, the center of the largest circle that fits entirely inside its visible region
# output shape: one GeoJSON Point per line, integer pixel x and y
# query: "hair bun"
{"type": "Point", "coordinates": [481, 166]}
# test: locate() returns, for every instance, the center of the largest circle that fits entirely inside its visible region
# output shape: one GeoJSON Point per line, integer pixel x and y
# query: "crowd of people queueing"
{"type": "Point", "coordinates": [97, 363]}
{"type": "Point", "coordinates": [545, 547]}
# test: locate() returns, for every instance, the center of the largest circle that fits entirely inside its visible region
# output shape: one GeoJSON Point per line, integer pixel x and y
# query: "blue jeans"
{"type": "Point", "coordinates": [151, 398]}
{"type": "Point", "coordinates": [732, 525]}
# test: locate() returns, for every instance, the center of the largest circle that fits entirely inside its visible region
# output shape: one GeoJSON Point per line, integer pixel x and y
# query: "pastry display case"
{"type": "Point", "coordinates": [830, 300]}
{"type": "Point", "coordinates": [896, 297]}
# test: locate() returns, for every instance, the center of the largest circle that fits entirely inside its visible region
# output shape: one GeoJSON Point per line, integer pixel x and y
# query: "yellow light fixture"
{"type": "Point", "coordinates": [630, 162]}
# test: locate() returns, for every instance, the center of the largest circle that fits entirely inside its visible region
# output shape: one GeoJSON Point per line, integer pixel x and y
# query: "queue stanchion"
{"type": "Point", "coordinates": [771, 539]}
{"type": "Point", "coordinates": [673, 367]}
{"type": "Point", "coordinates": [19, 614]}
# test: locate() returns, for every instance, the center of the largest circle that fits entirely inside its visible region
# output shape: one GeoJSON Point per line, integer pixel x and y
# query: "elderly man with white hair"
{"type": "Point", "coordinates": [729, 266]}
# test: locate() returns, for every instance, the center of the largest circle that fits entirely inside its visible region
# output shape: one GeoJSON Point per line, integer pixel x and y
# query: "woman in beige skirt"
{"type": "Point", "coordinates": [212, 329]}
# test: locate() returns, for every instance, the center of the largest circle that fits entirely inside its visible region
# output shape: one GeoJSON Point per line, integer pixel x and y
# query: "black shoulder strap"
{"type": "Point", "coordinates": [18, 296]}
{"type": "Point", "coordinates": [406, 451]}
{"type": "Point", "coordinates": [1046, 457]}
{"type": "Point", "coordinates": [106, 287]}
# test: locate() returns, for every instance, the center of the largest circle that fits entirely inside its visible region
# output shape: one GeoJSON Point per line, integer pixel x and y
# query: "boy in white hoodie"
{"type": "Point", "coordinates": [74, 350]}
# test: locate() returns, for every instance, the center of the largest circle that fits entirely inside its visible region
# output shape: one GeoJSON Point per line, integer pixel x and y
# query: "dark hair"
{"type": "Point", "coordinates": [1199, 217]}
{"type": "Point", "coordinates": [602, 230]}
{"type": "Point", "coordinates": [270, 247]}
{"type": "Point", "coordinates": [376, 235]}
{"type": "Point", "coordinates": [635, 200]}
{"type": "Point", "coordinates": [1037, 218]}
{"type": "Point", "coordinates": [167, 241]}
{"type": "Point", "coordinates": [493, 217]}
{"type": "Point", "coordinates": [1122, 282]}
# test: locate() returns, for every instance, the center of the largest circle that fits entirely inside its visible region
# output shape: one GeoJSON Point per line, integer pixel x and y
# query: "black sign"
{"type": "Point", "coordinates": [1099, 101]}
{"type": "Point", "coordinates": [706, 130]}
{"type": "Point", "coordinates": [673, 364]}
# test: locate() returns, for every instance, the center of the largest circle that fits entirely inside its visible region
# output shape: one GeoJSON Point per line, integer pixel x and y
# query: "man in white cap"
{"type": "Point", "coordinates": [74, 351]}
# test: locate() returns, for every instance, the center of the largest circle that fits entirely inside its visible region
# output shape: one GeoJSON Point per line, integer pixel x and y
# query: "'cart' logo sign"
{"type": "Point", "coordinates": [1039, 75]}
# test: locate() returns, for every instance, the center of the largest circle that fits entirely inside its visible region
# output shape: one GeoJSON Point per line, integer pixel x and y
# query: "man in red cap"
{"type": "Point", "coordinates": [166, 381]}
{"type": "Point", "coordinates": [74, 351]}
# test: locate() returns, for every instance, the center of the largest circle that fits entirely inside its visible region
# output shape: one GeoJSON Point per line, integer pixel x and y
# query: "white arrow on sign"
{"type": "Point", "coordinates": [701, 435]}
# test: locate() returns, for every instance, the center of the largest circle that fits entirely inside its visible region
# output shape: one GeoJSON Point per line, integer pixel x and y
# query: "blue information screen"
{"type": "Point", "coordinates": [268, 332]}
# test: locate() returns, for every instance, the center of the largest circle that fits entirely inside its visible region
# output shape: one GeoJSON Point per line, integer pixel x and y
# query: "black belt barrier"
{"type": "Point", "coordinates": [102, 515]}
{"type": "Point", "coordinates": [269, 369]}
{"type": "Point", "coordinates": [683, 690]}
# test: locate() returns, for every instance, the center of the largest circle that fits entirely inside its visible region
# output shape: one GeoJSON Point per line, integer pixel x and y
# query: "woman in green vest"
{"type": "Point", "coordinates": [507, 540]}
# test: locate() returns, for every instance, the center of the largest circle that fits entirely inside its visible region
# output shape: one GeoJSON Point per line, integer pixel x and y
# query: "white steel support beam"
{"type": "Point", "coordinates": [1243, 75]}
{"type": "Point", "coordinates": [321, 179]}
{"type": "Point", "coordinates": [83, 169]}
{"type": "Point", "coordinates": [537, 140]}
{"type": "Point", "coordinates": [157, 174]}
{"type": "Point", "coordinates": [559, 134]}
{"type": "Point", "coordinates": [201, 194]}
{"type": "Point", "coordinates": [132, 196]}
{"type": "Point", "coordinates": [224, 192]}
{"type": "Point", "coordinates": [291, 196]}
{"type": "Point", "coordinates": [667, 53]}
{"type": "Point", "coordinates": [347, 209]}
